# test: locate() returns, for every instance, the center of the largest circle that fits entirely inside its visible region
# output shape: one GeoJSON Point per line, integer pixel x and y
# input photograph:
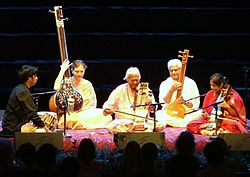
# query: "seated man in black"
{"type": "Point", "coordinates": [21, 108]}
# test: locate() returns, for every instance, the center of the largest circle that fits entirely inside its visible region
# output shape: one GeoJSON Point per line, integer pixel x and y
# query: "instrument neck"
{"type": "Point", "coordinates": [181, 78]}
{"type": "Point", "coordinates": [61, 36]}
{"type": "Point", "coordinates": [63, 48]}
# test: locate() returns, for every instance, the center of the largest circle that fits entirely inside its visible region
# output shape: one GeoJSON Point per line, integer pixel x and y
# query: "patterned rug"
{"type": "Point", "coordinates": [105, 139]}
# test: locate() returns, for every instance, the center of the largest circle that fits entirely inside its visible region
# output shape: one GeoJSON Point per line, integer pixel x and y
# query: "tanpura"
{"type": "Point", "coordinates": [67, 97]}
{"type": "Point", "coordinates": [177, 109]}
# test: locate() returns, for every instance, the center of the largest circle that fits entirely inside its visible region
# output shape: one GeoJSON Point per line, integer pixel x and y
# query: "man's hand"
{"type": "Point", "coordinates": [47, 130]}
{"type": "Point", "coordinates": [176, 86]}
{"type": "Point", "coordinates": [107, 111]}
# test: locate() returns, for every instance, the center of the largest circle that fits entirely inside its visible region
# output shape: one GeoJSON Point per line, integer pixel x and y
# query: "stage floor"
{"type": "Point", "coordinates": [104, 139]}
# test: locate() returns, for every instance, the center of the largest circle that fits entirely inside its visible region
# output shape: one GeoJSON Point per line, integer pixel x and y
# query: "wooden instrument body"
{"type": "Point", "coordinates": [218, 112]}
{"type": "Point", "coordinates": [67, 97]}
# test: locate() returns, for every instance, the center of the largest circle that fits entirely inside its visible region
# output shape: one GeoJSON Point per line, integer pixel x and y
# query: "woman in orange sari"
{"type": "Point", "coordinates": [231, 118]}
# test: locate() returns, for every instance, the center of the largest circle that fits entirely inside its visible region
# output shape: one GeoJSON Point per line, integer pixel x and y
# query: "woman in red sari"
{"type": "Point", "coordinates": [231, 118]}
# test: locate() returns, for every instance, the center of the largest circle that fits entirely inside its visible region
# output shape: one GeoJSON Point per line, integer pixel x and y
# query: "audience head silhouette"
{"type": "Point", "coordinates": [131, 156]}
{"type": "Point", "coordinates": [26, 153]}
{"type": "Point", "coordinates": [223, 144]}
{"type": "Point", "coordinates": [185, 143]}
{"type": "Point", "coordinates": [46, 156]}
{"type": "Point", "coordinates": [86, 150]}
{"type": "Point", "coordinates": [214, 153]}
{"type": "Point", "coordinates": [149, 152]}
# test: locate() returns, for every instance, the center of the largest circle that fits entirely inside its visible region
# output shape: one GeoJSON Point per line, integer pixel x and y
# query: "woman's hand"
{"type": "Point", "coordinates": [204, 114]}
{"type": "Point", "coordinates": [65, 65]}
{"type": "Point", "coordinates": [224, 105]}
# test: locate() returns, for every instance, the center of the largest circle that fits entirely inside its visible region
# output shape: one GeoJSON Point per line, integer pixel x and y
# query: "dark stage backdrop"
{"type": "Point", "coordinates": [111, 36]}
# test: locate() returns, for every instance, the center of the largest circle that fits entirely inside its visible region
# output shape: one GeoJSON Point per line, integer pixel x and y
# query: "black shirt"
{"type": "Point", "coordinates": [20, 110]}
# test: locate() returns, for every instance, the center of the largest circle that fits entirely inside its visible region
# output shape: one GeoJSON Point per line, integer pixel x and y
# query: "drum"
{"type": "Point", "coordinates": [50, 121]}
{"type": "Point", "coordinates": [49, 118]}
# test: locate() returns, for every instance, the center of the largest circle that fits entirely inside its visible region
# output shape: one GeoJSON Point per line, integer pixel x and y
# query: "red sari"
{"type": "Point", "coordinates": [236, 124]}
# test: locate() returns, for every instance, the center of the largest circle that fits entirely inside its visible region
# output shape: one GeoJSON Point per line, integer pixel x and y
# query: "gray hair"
{"type": "Point", "coordinates": [174, 62]}
{"type": "Point", "coordinates": [132, 70]}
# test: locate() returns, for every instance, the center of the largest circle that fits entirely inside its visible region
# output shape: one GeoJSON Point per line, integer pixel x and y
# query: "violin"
{"type": "Point", "coordinates": [217, 110]}
{"type": "Point", "coordinates": [226, 92]}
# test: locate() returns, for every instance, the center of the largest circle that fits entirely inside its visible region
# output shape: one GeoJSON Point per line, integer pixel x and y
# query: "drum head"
{"type": "Point", "coordinates": [41, 113]}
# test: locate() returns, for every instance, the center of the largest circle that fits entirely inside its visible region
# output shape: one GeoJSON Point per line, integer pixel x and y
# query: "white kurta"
{"type": "Point", "coordinates": [122, 99]}
{"type": "Point", "coordinates": [189, 90]}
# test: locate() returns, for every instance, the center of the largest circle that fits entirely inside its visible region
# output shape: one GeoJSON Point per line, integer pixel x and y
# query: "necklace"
{"type": "Point", "coordinates": [128, 95]}
{"type": "Point", "coordinates": [130, 102]}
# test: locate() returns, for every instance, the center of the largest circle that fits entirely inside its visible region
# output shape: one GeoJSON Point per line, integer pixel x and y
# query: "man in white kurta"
{"type": "Point", "coordinates": [123, 100]}
{"type": "Point", "coordinates": [168, 94]}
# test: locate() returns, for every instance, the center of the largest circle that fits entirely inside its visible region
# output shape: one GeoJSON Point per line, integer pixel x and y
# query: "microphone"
{"type": "Point", "coordinates": [42, 93]}
{"type": "Point", "coordinates": [196, 97]}
{"type": "Point", "coordinates": [195, 110]}
{"type": "Point", "coordinates": [149, 104]}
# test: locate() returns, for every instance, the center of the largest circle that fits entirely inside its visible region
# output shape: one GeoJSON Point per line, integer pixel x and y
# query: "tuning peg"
{"type": "Point", "coordinates": [51, 11]}
{"type": "Point", "coordinates": [66, 19]}
{"type": "Point", "coordinates": [180, 51]}
{"type": "Point", "coordinates": [190, 56]}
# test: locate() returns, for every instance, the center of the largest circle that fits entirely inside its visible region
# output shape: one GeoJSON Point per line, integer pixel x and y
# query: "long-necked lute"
{"type": "Point", "coordinates": [176, 109]}
{"type": "Point", "coordinates": [67, 96]}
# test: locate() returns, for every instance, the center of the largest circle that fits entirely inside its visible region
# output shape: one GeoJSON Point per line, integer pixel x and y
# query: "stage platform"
{"type": "Point", "coordinates": [104, 139]}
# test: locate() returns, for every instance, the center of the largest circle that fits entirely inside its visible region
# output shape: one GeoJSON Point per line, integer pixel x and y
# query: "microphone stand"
{"type": "Point", "coordinates": [216, 107]}
{"type": "Point", "coordinates": [151, 112]}
{"type": "Point", "coordinates": [65, 111]}
{"type": "Point", "coordinates": [195, 110]}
